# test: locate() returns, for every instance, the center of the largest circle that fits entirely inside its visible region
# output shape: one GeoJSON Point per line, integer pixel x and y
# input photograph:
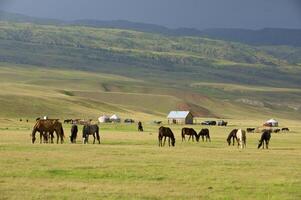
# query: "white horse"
{"type": "Point", "coordinates": [241, 138]}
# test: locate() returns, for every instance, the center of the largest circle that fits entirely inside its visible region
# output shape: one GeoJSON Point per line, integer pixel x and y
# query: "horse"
{"type": "Point", "coordinates": [74, 131]}
{"type": "Point", "coordinates": [232, 135]}
{"type": "Point", "coordinates": [191, 132]}
{"type": "Point", "coordinates": [241, 138]}
{"type": "Point", "coordinates": [68, 121]}
{"type": "Point", "coordinates": [166, 132]}
{"type": "Point", "coordinates": [140, 127]}
{"type": "Point", "coordinates": [46, 127]}
{"type": "Point", "coordinates": [204, 133]}
{"type": "Point", "coordinates": [277, 130]}
{"type": "Point", "coordinates": [250, 130]}
{"type": "Point", "coordinates": [265, 138]}
{"type": "Point", "coordinates": [285, 129]}
{"type": "Point", "coordinates": [90, 130]}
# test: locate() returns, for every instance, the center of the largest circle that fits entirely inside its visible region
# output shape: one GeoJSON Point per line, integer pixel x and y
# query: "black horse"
{"type": "Point", "coordinates": [205, 134]}
{"type": "Point", "coordinates": [265, 138]}
{"type": "Point", "coordinates": [74, 131]}
{"type": "Point", "coordinates": [191, 132]}
{"type": "Point", "coordinates": [166, 132]}
{"type": "Point", "coordinates": [232, 135]}
{"type": "Point", "coordinates": [90, 130]}
{"type": "Point", "coordinates": [140, 127]}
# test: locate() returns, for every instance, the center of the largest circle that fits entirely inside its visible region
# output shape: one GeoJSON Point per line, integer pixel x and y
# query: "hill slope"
{"type": "Point", "coordinates": [129, 72]}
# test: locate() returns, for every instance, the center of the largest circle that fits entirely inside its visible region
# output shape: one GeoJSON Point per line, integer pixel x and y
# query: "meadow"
{"type": "Point", "coordinates": [130, 165]}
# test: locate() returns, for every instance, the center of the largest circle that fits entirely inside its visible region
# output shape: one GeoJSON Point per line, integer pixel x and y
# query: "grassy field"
{"type": "Point", "coordinates": [130, 165]}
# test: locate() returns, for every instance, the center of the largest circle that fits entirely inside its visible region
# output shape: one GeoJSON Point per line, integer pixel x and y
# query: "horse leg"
{"type": "Point", "coordinates": [189, 138]}
{"type": "Point", "coordinates": [94, 138]}
{"type": "Point", "coordinates": [192, 138]}
{"type": "Point", "coordinates": [169, 142]}
{"type": "Point", "coordinates": [164, 140]}
{"type": "Point", "coordinates": [203, 139]}
{"type": "Point", "coordinates": [41, 137]}
{"type": "Point", "coordinates": [57, 137]}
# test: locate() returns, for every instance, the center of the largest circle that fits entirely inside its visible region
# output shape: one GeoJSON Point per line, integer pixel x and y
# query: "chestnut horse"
{"type": "Point", "coordinates": [48, 126]}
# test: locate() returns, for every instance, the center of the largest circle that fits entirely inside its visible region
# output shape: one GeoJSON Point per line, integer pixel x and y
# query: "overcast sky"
{"type": "Point", "coordinates": [252, 14]}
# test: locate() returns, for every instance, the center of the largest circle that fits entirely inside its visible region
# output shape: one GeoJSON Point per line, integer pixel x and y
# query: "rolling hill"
{"type": "Point", "coordinates": [80, 71]}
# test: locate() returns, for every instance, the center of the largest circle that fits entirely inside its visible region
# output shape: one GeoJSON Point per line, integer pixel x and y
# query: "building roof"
{"type": "Point", "coordinates": [114, 117]}
{"type": "Point", "coordinates": [272, 121]}
{"type": "Point", "coordinates": [178, 114]}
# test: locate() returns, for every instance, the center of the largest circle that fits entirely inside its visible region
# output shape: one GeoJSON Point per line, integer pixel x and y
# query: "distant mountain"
{"type": "Point", "coordinates": [267, 36]}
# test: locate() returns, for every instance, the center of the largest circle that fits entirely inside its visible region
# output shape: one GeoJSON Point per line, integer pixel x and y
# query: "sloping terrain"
{"type": "Point", "coordinates": [84, 71]}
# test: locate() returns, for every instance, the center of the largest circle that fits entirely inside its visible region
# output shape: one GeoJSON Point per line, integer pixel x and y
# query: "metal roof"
{"type": "Point", "coordinates": [178, 114]}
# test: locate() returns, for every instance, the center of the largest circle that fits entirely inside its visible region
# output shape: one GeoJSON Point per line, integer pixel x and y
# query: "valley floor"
{"type": "Point", "coordinates": [130, 165]}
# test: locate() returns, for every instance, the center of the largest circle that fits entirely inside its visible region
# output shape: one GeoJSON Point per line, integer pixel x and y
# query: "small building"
{"type": "Point", "coordinates": [115, 119]}
{"type": "Point", "coordinates": [271, 123]}
{"type": "Point", "coordinates": [104, 119]}
{"type": "Point", "coordinates": [180, 117]}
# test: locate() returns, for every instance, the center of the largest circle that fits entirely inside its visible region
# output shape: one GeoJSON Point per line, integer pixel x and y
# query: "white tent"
{"type": "Point", "coordinates": [271, 123]}
{"type": "Point", "coordinates": [115, 118]}
{"type": "Point", "coordinates": [104, 119]}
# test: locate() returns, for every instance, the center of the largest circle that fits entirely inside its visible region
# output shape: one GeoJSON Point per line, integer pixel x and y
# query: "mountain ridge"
{"type": "Point", "coordinates": [265, 36]}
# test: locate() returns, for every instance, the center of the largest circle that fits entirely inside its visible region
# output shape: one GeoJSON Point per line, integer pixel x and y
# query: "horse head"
{"type": "Point", "coordinates": [173, 142]}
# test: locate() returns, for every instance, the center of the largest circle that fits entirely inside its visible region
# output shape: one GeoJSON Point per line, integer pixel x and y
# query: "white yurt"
{"type": "Point", "coordinates": [271, 123]}
{"type": "Point", "coordinates": [115, 118]}
{"type": "Point", "coordinates": [104, 119]}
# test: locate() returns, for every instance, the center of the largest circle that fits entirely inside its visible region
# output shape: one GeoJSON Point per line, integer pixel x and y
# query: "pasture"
{"type": "Point", "coordinates": [130, 165]}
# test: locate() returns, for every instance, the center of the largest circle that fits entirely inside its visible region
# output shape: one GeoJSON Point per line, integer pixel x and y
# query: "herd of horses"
{"type": "Point", "coordinates": [47, 128]}
{"type": "Point", "coordinates": [237, 135]}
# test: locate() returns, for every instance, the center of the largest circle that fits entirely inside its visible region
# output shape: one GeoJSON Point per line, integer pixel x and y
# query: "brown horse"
{"type": "Point", "coordinates": [46, 127]}
{"type": "Point", "coordinates": [166, 132]}
{"type": "Point", "coordinates": [265, 138]}
{"type": "Point", "coordinates": [232, 135]}
{"type": "Point", "coordinates": [205, 134]}
{"type": "Point", "coordinates": [191, 132]}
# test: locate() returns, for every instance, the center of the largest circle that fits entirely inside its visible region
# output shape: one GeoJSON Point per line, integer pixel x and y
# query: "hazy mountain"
{"type": "Point", "coordinates": [267, 36]}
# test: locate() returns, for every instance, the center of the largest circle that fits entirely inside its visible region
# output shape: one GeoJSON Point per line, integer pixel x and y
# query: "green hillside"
{"type": "Point", "coordinates": [73, 71]}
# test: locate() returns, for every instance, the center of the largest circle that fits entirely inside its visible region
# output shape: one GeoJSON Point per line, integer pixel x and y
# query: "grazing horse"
{"type": "Point", "coordinates": [277, 130]}
{"type": "Point", "coordinates": [232, 135]}
{"type": "Point", "coordinates": [241, 138]}
{"type": "Point", "coordinates": [166, 132]}
{"type": "Point", "coordinates": [285, 129]}
{"type": "Point", "coordinates": [140, 127]}
{"type": "Point", "coordinates": [265, 138]}
{"type": "Point", "coordinates": [90, 130]}
{"type": "Point", "coordinates": [46, 127]}
{"type": "Point", "coordinates": [204, 133]}
{"type": "Point", "coordinates": [250, 130]}
{"type": "Point", "coordinates": [68, 121]}
{"type": "Point", "coordinates": [74, 131]}
{"type": "Point", "coordinates": [191, 132]}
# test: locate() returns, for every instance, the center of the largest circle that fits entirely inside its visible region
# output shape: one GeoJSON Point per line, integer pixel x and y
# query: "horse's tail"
{"type": "Point", "coordinates": [62, 132]}
{"type": "Point", "coordinates": [97, 134]}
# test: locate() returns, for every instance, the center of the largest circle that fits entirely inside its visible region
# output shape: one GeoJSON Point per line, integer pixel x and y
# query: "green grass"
{"type": "Point", "coordinates": [130, 165]}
